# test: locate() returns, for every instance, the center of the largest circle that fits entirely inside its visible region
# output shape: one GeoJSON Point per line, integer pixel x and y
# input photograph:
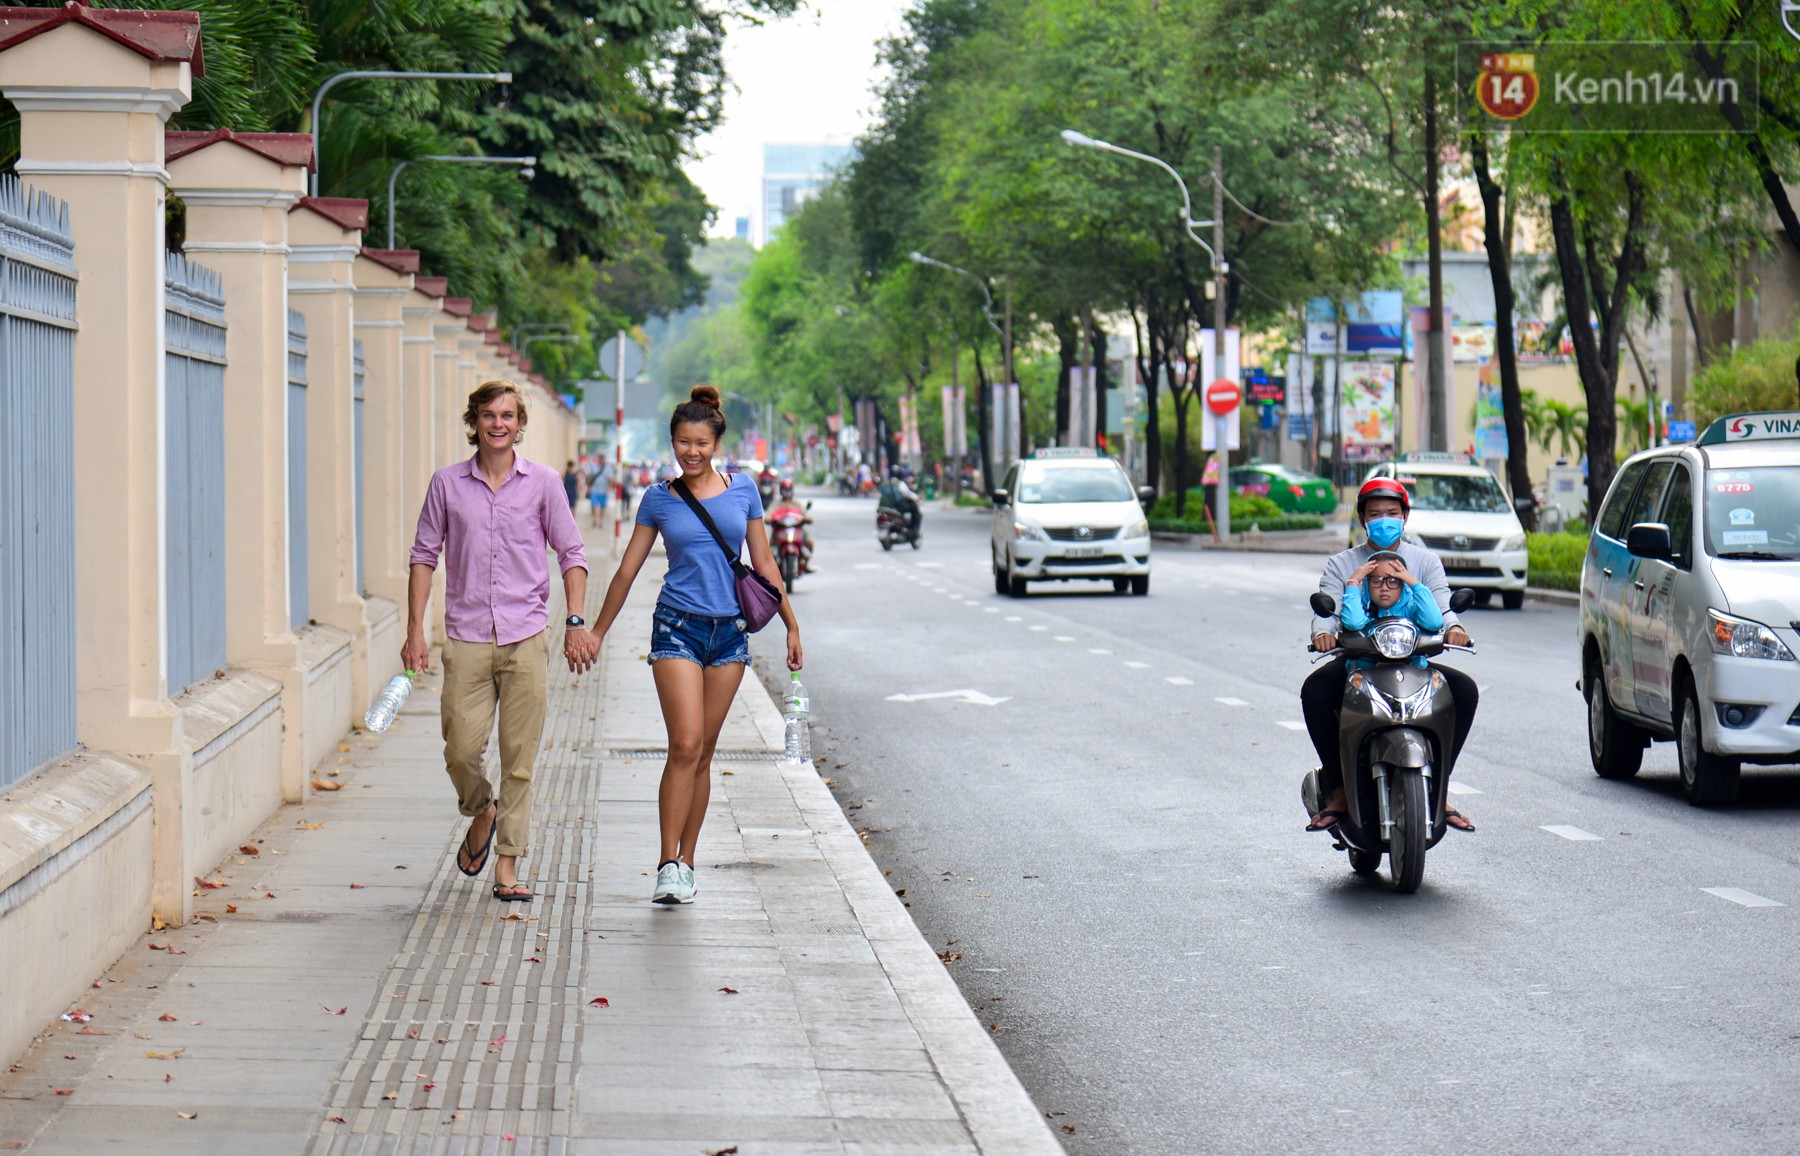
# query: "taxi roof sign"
{"type": "Point", "coordinates": [1065, 452]}
{"type": "Point", "coordinates": [1767, 425]}
{"type": "Point", "coordinates": [1441, 457]}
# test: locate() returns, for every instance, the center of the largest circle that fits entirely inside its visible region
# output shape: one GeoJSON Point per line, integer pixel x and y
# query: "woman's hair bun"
{"type": "Point", "coordinates": [705, 395]}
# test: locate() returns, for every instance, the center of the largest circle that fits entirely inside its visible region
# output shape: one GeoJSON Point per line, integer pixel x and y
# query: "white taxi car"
{"type": "Point", "coordinates": [1690, 606]}
{"type": "Point", "coordinates": [1069, 513]}
{"type": "Point", "coordinates": [1460, 512]}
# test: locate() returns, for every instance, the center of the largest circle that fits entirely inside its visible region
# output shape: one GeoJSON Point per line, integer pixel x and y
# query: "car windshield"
{"type": "Point", "coordinates": [1475, 493]}
{"type": "Point", "coordinates": [1040, 485]}
{"type": "Point", "coordinates": [1754, 513]}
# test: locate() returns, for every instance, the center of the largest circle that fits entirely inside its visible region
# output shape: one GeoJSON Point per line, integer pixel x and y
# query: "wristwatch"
{"type": "Point", "coordinates": [575, 620]}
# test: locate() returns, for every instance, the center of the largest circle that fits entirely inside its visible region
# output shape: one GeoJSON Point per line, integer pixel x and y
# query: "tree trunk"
{"type": "Point", "coordinates": [1597, 384]}
{"type": "Point", "coordinates": [1149, 367]}
{"type": "Point", "coordinates": [1097, 338]}
{"type": "Point", "coordinates": [1180, 398]}
{"type": "Point", "coordinates": [983, 410]}
{"type": "Point", "coordinates": [1436, 388]}
{"type": "Point", "coordinates": [1068, 357]}
{"type": "Point", "coordinates": [1499, 254]}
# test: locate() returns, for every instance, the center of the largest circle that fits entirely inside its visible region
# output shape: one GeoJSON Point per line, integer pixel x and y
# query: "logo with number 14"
{"type": "Point", "coordinates": [1508, 86]}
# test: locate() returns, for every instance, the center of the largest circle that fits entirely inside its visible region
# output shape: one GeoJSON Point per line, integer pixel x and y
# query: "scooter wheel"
{"type": "Point", "coordinates": [887, 543]}
{"type": "Point", "coordinates": [1365, 862]}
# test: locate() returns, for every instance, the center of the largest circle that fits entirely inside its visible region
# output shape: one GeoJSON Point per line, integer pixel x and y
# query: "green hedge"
{"type": "Point", "coordinates": [972, 501]}
{"type": "Point", "coordinates": [1554, 560]}
{"type": "Point", "coordinates": [1243, 508]}
{"type": "Point", "coordinates": [1238, 526]}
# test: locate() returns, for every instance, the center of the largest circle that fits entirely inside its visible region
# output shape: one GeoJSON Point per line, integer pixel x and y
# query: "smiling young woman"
{"type": "Point", "coordinates": [698, 641]}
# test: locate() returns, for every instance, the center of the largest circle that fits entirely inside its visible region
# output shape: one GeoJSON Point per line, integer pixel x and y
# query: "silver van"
{"type": "Point", "coordinates": [1690, 606]}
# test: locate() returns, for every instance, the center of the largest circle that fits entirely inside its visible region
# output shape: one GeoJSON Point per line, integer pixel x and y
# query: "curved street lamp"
{"type": "Point", "coordinates": [319, 98]}
{"type": "Point", "coordinates": [527, 171]}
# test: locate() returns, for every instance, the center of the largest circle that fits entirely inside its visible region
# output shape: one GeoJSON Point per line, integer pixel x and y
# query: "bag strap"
{"type": "Point", "coordinates": [680, 487]}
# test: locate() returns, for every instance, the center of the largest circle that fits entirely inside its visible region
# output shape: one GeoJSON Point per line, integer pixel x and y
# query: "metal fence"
{"type": "Point", "coordinates": [356, 452]}
{"type": "Point", "coordinates": [37, 481]}
{"type": "Point", "coordinates": [299, 607]}
{"type": "Point", "coordinates": [194, 476]}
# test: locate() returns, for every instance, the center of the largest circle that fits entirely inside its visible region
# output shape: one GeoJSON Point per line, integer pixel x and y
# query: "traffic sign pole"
{"type": "Point", "coordinates": [619, 441]}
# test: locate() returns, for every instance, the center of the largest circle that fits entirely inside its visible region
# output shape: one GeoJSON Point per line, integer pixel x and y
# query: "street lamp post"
{"type": "Point", "coordinates": [319, 97]}
{"type": "Point", "coordinates": [527, 171]}
{"type": "Point", "coordinates": [1004, 332]}
{"type": "Point", "coordinates": [1216, 252]}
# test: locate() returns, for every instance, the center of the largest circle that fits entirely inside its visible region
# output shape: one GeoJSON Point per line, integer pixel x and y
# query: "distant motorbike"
{"type": "Point", "coordinates": [768, 484]}
{"type": "Point", "coordinates": [846, 485]}
{"type": "Point", "coordinates": [891, 526]}
{"type": "Point", "coordinates": [1395, 733]}
{"type": "Point", "coordinates": [790, 541]}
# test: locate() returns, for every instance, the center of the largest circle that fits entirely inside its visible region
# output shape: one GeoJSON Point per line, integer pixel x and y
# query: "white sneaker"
{"type": "Point", "coordinates": [669, 886]}
{"type": "Point", "coordinates": [688, 890]}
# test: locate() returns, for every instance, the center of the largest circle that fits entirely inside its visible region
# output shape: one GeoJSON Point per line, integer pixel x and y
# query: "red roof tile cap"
{"type": "Point", "coordinates": [159, 36]}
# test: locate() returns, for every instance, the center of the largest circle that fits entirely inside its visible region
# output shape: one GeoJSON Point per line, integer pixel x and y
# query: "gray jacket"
{"type": "Point", "coordinates": [1422, 562]}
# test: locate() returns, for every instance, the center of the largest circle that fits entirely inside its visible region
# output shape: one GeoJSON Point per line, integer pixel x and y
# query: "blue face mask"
{"type": "Point", "coordinates": [1384, 532]}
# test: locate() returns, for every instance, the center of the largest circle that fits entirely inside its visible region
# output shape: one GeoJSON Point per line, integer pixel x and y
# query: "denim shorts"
{"type": "Point", "coordinates": [697, 638]}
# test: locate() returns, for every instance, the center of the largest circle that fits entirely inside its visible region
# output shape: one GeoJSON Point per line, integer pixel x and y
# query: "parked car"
{"type": "Point", "coordinates": [1069, 513]}
{"type": "Point", "coordinates": [1460, 512]}
{"type": "Point", "coordinates": [1690, 606]}
{"type": "Point", "coordinates": [1295, 491]}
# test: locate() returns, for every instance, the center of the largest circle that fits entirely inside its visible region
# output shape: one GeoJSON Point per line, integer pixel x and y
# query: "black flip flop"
{"type": "Point", "coordinates": [525, 898]}
{"type": "Point", "coordinates": [1452, 811]}
{"type": "Point", "coordinates": [480, 863]}
{"type": "Point", "coordinates": [1335, 816]}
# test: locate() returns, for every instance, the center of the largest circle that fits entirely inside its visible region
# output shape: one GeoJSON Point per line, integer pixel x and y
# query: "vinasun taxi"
{"type": "Point", "coordinates": [1460, 512]}
{"type": "Point", "coordinates": [1690, 606]}
{"type": "Point", "coordinates": [1067, 513]}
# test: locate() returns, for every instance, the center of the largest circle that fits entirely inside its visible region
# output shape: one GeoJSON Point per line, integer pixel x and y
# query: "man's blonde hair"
{"type": "Point", "coordinates": [487, 392]}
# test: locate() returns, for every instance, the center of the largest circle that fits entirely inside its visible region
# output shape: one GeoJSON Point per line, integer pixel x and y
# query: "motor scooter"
{"type": "Point", "coordinates": [1395, 734]}
{"type": "Point", "coordinates": [892, 526]}
{"type": "Point", "coordinates": [789, 521]}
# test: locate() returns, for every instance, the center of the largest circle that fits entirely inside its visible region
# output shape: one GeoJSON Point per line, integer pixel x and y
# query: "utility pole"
{"type": "Point", "coordinates": [1436, 391]}
{"type": "Point", "coordinates": [1222, 491]}
{"type": "Point", "coordinates": [618, 440]}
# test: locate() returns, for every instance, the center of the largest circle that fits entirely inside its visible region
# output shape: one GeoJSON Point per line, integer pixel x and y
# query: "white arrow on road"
{"type": "Point", "coordinates": [973, 697]}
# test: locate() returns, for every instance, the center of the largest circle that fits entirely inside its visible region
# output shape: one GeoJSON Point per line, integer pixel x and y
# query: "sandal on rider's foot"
{"type": "Point", "coordinates": [512, 893]}
{"type": "Point", "coordinates": [1325, 820]}
{"type": "Point", "coordinates": [1457, 820]}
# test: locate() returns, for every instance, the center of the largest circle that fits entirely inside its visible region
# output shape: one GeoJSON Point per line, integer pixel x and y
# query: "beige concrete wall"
{"type": "Point", "coordinates": [235, 726]}
{"type": "Point", "coordinates": [380, 290]}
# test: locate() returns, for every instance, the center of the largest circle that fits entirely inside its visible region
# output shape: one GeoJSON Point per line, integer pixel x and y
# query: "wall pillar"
{"type": "Point", "coordinates": [383, 282]}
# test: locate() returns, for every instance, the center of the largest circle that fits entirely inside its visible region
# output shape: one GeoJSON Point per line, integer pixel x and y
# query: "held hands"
{"type": "Point", "coordinates": [582, 648]}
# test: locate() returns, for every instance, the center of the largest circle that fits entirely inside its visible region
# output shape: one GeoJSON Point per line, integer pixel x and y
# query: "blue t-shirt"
{"type": "Point", "coordinates": [700, 580]}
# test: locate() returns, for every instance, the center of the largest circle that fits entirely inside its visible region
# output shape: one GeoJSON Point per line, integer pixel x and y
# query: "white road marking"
{"type": "Point", "coordinates": [1097, 650]}
{"type": "Point", "coordinates": [929, 565]}
{"type": "Point", "coordinates": [1573, 834]}
{"type": "Point", "coordinates": [991, 610]}
{"type": "Point", "coordinates": [1014, 618]}
{"type": "Point", "coordinates": [1039, 629]}
{"type": "Point", "coordinates": [973, 697]}
{"type": "Point", "coordinates": [1464, 789]}
{"type": "Point", "coordinates": [1065, 638]}
{"type": "Point", "coordinates": [868, 566]}
{"type": "Point", "coordinates": [1741, 897]}
{"type": "Point", "coordinates": [1229, 701]}
{"type": "Point", "coordinates": [1138, 665]}
{"type": "Point", "coordinates": [1178, 681]}
{"type": "Point", "coordinates": [940, 590]}
{"type": "Point", "coordinates": [1290, 725]}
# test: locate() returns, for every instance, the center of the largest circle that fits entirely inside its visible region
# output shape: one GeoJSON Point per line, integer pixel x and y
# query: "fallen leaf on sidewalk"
{"type": "Point", "coordinates": [250, 849]}
{"type": "Point", "coordinates": [69, 1055]}
{"type": "Point", "coordinates": [336, 1120]}
{"type": "Point", "coordinates": [391, 1096]}
{"type": "Point", "coordinates": [949, 957]}
{"type": "Point", "coordinates": [303, 825]}
{"type": "Point", "coordinates": [514, 918]}
{"type": "Point", "coordinates": [188, 1115]}
{"type": "Point", "coordinates": [533, 959]}
{"type": "Point", "coordinates": [231, 909]}
{"type": "Point", "coordinates": [78, 1016]}
{"type": "Point", "coordinates": [430, 1087]}
{"type": "Point", "coordinates": [142, 1036]}
{"type": "Point", "coordinates": [729, 990]}
{"type": "Point", "coordinates": [90, 1032]}
{"type": "Point", "coordinates": [490, 983]}
{"type": "Point", "coordinates": [11, 1145]}
{"type": "Point", "coordinates": [326, 785]}
{"type": "Point", "coordinates": [344, 748]}
{"type": "Point", "coordinates": [205, 886]}
{"type": "Point", "coordinates": [168, 1078]}
{"type": "Point", "coordinates": [174, 1055]}
{"type": "Point", "coordinates": [356, 887]}
{"type": "Point", "coordinates": [268, 895]}
{"type": "Point", "coordinates": [599, 1001]}
{"type": "Point", "coordinates": [1069, 1128]}
{"type": "Point", "coordinates": [412, 1035]}
{"type": "Point", "coordinates": [338, 1012]}
{"type": "Point", "coordinates": [731, 1151]}
{"type": "Point", "coordinates": [62, 1091]}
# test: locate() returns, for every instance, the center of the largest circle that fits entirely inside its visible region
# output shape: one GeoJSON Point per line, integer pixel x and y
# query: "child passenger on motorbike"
{"type": "Point", "coordinates": [1383, 587]}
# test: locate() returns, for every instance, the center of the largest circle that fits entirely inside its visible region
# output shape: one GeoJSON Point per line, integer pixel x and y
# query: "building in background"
{"type": "Point", "coordinates": [741, 229]}
{"type": "Point", "coordinates": [792, 173]}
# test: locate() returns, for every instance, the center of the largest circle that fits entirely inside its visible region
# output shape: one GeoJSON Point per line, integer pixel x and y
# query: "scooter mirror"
{"type": "Point", "coordinates": [1322, 605]}
{"type": "Point", "coordinates": [809, 505]}
{"type": "Point", "coordinates": [1461, 600]}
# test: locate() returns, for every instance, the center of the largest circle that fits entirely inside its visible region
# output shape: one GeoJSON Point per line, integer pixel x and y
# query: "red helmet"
{"type": "Point", "coordinates": [1383, 488]}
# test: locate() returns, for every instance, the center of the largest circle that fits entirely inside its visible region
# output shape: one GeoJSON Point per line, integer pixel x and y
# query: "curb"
{"type": "Point", "coordinates": [1555, 597]}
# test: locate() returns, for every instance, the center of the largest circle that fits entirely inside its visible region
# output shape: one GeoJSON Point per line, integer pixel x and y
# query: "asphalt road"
{"type": "Point", "coordinates": [1113, 857]}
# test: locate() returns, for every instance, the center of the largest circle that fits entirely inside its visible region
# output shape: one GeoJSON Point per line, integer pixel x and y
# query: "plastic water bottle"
{"type": "Point", "coordinates": [796, 711]}
{"type": "Point", "coordinates": [387, 704]}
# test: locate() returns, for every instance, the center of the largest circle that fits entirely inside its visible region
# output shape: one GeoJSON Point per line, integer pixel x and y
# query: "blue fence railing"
{"type": "Point", "coordinates": [37, 481]}
{"type": "Point", "coordinates": [299, 607]}
{"type": "Point", "coordinates": [194, 471]}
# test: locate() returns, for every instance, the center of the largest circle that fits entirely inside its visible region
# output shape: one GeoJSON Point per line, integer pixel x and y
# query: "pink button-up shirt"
{"type": "Point", "coordinates": [497, 573]}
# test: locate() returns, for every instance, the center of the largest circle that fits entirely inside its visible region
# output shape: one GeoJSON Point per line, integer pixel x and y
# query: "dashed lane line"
{"type": "Point", "coordinates": [1065, 638]}
{"type": "Point", "coordinates": [1229, 701]}
{"type": "Point", "coordinates": [1038, 629]}
{"type": "Point", "coordinates": [1097, 650]}
{"type": "Point", "coordinates": [1291, 725]}
{"type": "Point", "coordinates": [1014, 618]}
{"type": "Point", "coordinates": [1464, 789]}
{"type": "Point", "coordinates": [1177, 680]}
{"type": "Point", "coordinates": [1573, 834]}
{"type": "Point", "coordinates": [1137, 665]}
{"type": "Point", "coordinates": [1741, 897]}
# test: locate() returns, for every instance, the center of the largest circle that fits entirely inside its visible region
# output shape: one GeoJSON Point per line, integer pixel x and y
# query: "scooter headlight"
{"type": "Point", "coordinates": [1395, 639]}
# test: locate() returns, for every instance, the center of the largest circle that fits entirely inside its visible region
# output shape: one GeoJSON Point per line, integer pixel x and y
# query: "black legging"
{"type": "Point", "coordinates": [913, 514]}
{"type": "Point", "coordinates": [1322, 695]}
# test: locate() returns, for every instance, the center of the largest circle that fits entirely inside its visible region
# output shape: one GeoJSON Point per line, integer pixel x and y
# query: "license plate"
{"type": "Point", "coordinates": [1453, 562]}
{"type": "Point", "coordinates": [1084, 552]}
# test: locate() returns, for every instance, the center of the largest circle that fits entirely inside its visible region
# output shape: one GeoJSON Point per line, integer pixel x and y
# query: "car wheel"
{"type": "Point", "coordinates": [1120, 585]}
{"type": "Point", "coordinates": [1615, 746]}
{"type": "Point", "coordinates": [1484, 598]}
{"type": "Point", "coordinates": [1015, 587]}
{"type": "Point", "coordinates": [1706, 778]}
{"type": "Point", "coordinates": [1140, 585]}
{"type": "Point", "coordinates": [1000, 581]}
{"type": "Point", "coordinates": [1512, 599]}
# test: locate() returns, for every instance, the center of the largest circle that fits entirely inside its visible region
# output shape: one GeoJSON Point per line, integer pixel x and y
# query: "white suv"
{"type": "Point", "coordinates": [1690, 606]}
{"type": "Point", "coordinates": [1460, 513]}
{"type": "Point", "coordinates": [1069, 513]}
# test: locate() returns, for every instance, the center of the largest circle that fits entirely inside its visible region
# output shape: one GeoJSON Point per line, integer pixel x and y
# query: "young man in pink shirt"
{"type": "Point", "coordinates": [493, 519]}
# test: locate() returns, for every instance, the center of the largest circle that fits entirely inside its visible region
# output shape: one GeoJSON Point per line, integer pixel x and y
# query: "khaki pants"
{"type": "Point", "coordinates": [478, 676]}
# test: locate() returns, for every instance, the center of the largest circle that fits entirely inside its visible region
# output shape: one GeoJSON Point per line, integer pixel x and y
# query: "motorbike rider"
{"type": "Point", "coordinates": [1382, 507]}
{"type": "Point", "coordinates": [906, 500]}
{"type": "Point", "coordinates": [786, 505]}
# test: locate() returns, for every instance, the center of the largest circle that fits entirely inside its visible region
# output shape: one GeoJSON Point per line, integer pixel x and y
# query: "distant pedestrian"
{"type": "Point", "coordinates": [492, 519]}
{"type": "Point", "coordinates": [625, 479]}
{"type": "Point", "coordinates": [698, 644]}
{"type": "Point", "coordinates": [598, 484]}
{"type": "Point", "coordinates": [572, 485]}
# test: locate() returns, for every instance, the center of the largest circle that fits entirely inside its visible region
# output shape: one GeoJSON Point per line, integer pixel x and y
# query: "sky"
{"type": "Point", "coordinates": [806, 78]}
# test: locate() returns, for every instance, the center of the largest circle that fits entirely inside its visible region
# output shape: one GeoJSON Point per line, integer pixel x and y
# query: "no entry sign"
{"type": "Point", "coordinates": [1222, 396]}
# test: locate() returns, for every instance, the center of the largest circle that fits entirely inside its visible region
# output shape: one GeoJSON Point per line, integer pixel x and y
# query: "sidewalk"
{"type": "Point", "coordinates": [345, 990]}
